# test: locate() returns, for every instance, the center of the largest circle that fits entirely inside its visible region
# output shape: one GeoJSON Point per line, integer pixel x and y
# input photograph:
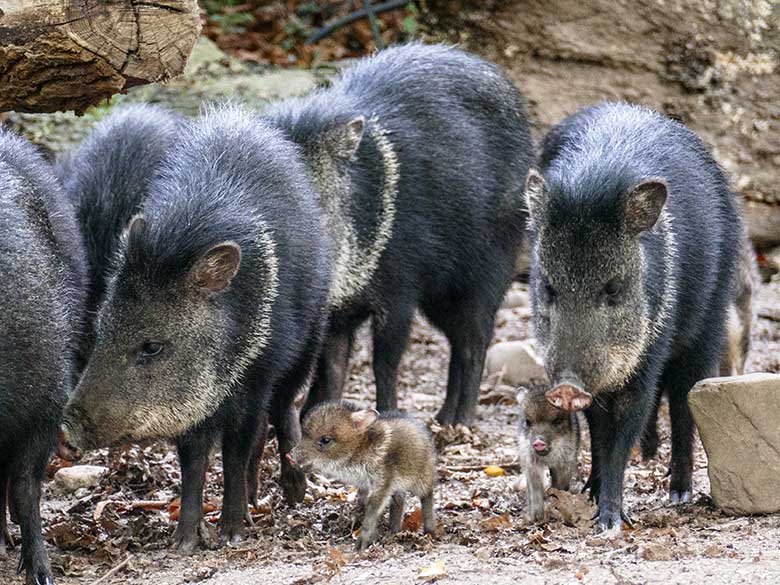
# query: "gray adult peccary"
{"type": "Point", "coordinates": [635, 242]}
{"type": "Point", "coordinates": [548, 438]}
{"type": "Point", "coordinates": [214, 315]}
{"type": "Point", "coordinates": [41, 307]}
{"type": "Point", "coordinates": [418, 155]}
{"type": "Point", "coordinates": [107, 179]}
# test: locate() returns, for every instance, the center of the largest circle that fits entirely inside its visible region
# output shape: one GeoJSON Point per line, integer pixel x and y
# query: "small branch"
{"type": "Point", "coordinates": [114, 571]}
{"type": "Point", "coordinates": [769, 316]}
{"type": "Point", "coordinates": [329, 29]}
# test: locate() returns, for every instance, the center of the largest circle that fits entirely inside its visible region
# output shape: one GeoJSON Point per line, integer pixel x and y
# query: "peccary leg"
{"type": "Point", "coordinates": [391, 332]}
{"type": "Point", "coordinates": [468, 332]}
{"type": "Point", "coordinates": [25, 487]}
{"type": "Point", "coordinates": [428, 514]}
{"type": "Point", "coordinates": [238, 442]}
{"type": "Point", "coordinates": [375, 505]}
{"type": "Point", "coordinates": [682, 448]}
{"type": "Point", "coordinates": [619, 421]}
{"type": "Point", "coordinates": [253, 470]}
{"type": "Point", "coordinates": [332, 370]}
{"type": "Point", "coordinates": [193, 451]}
{"type": "Point", "coordinates": [396, 512]}
{"type": "Point", "coordinates": [5, 535]}
{"type": "Point", "coordinates": [534, 481]}
{"type": "Point", "coordinates": [649, 441]}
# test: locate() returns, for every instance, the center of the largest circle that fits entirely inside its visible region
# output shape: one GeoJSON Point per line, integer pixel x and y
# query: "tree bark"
{"type": "Point", "coordinates": [71, 54]}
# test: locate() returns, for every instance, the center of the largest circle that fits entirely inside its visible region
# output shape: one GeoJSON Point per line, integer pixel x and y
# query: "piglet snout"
{"type": "Point", "coordinates": [539, 446]}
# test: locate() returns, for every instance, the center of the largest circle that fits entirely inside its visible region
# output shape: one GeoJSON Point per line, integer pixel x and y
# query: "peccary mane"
{"type": "Point", "coordinates": [107, 185]}
{"type": "Point", "coordinates": [219, 201]}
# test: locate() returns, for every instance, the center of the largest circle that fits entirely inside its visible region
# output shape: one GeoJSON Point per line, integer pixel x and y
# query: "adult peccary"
{"type": "Point", "coordinates": [107, 179]}
{"type": "Point", "coordinates": [418, 155]}
{"type": "Point", "coordinates": [739, 324]}
{"type": "Point", "coordinates": [635, 241]}
{"type": "Point", "coordinates": [41, 306]}
{"type": "Point", "coordinates": [215, 313]}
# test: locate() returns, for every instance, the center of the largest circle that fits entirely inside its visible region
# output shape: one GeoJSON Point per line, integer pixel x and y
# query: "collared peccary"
{"type": "Point", "coordinates": [418, 155]}
{"type": "Point", "coordinates": [384, 455]}
{"type": "Point", "coordinates": [738, 327]}
{"type": "Point", "coordinates": [107, 179]}
{"type": "Point", "coordinates": [215, 313]}
{"type": "Point", "coordinates": [41, 308]}
{"type": "Point", "coordinates": [548, 438]}
{"type": "Point", "coordinates": [635, 238]}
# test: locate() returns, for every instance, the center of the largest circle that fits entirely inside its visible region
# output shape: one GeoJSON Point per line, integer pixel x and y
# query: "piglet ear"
{"type": "Point", "coordinates": [521, 393]}
{"type": "Point", "coordinates": [363, 419]}
{"type": "Point", "coordinates": [644, 204]}
{"type": "Point", "coordinates": [343, 139]}
{"type": "Point", "coordinates": [537, 195]}
{"type": "Point", "coordinates": [215, 270]}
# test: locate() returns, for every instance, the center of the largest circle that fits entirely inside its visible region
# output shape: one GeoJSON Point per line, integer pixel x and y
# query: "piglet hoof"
{"type": "Point", "coordinates": [569, 397]}
{"type": "Point", "coordinates": [677, 498]}
{"type": "Point", "coordinates": [293, 482]}
{"type": "Point", "coordinates": [363, 542]}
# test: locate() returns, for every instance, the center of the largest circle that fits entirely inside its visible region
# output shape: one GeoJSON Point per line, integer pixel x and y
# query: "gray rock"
{"type": "Point", "coordinates": [71, 479]}
{"type": "Point", "coordinates": [514, 363]}
{"type": "Point", "coordinates": [739, 425]}
{"type": "Point", "coordinates": [515, 298]}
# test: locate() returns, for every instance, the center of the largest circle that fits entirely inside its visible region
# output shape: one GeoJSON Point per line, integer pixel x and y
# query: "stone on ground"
{"type": "Point", "coordinates": [514, 363]}
{"type": "Point", "coordinates": [739, 424]}
{"type": "Point", "coordinates": [71, 479]}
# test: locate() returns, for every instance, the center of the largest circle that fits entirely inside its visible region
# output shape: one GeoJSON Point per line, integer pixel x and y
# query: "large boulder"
{"type": "Point", "coordinates": [739, 424]}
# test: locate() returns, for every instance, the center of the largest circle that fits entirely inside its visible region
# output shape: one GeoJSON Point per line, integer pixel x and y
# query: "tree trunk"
{"type": "Point", "coordinates": [71, 54]}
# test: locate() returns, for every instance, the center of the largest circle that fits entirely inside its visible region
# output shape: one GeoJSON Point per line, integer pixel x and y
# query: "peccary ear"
{"type": "Point", "coordinates": [536, 194]}
{"type": "Point", "coordinates": [342, 140]}
{"type": "Point", "coordinates": [214, 271]}
{"type": "Point", "coordinates": [363, 419]}
{"type": "Point", "coordinates": [644, 203]}
{"type": "Point", "coordinates": [135, 226]}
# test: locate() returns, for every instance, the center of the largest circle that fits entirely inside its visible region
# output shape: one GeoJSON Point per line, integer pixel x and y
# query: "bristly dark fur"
{"type": "Point", "coordinates": [458, 129]}
{"type": "Point", "coordinates": [107, 179]}
{"type": "Point", "coordinates": [41, 305]}
{"type": "Point", "coordinates": [230, 358]}
{"type": "Point", "coordinates": [590, 161]}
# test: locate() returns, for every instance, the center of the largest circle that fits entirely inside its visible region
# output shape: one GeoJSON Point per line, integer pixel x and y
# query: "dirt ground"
{"type": "Point", "coordinates": [483, 534]}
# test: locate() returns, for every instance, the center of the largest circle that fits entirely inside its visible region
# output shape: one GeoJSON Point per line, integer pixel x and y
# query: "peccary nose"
{"type": "Point", "coordinates": [569, 396]}
{"type": "Point", "coordinates": [539, 446]}
{"type": "Point", "coordinates": [65, 449]}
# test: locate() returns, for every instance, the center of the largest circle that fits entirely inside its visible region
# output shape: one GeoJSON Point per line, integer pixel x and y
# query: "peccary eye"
{"type": "Point", "coordinates": [612, 291]}
{"type": "Point", "coordinates": [151, 349]}
{"type": "Point", "coordinates": [325, 440]}
{"type": "Point", "coordinates": [558, 421]}
{"type": "Point", "coordinates": [549, 291]}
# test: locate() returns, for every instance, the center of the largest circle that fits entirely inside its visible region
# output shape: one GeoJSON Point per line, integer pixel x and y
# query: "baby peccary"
{"type": "Point", "coordinates": [418, 155]}
{"type": "Point", "coordinates": [214, 315]}
{"type": "Point", "coordinates": [384, 455]}
{"type": "Point", "coordinates": [549, 438]}
{"type": "Point", "coordinates": [107, 179]}
{"type": "Point", "coordinates": [41, 304]}
{"type": "Point", "coordinates": [635, 237]}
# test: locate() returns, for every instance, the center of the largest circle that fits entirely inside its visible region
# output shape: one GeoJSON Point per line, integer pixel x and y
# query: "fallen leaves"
{"type": "Point", "coordinates": [657, 552]}
{"type": "Point", "coordinates": [497, 523]}
{"type": "Point", "coordinates": [413, 521]}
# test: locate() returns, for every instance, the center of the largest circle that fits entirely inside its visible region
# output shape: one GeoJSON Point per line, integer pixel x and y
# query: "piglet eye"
{"type": "Point", "coordinates": [325, 440]}
{"type": "Point", "coordinates": [151, 348]}
{"type": "Point", "coordinates": [527, 423]}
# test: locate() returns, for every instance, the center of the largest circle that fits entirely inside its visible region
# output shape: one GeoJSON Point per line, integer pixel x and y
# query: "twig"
{"type": "Point", "coordinates": [368, 5]}
{"type": "Point", "coordinates": [114, 571]}
{"type": "Point", "coordinates": [335, 25]}
{"type": "Point", "coordinates": [769, 316]}
{"type": "Point", "coordinates": [512, 467]}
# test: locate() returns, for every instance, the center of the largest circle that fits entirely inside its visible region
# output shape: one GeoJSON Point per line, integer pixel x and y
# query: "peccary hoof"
{"type": "Point", "coordinates": [293, 482]}
{"type": "Point", "coordinates": [569, 397]}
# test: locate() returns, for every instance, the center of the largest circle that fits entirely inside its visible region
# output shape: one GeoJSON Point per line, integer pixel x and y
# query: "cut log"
{"type": "Point", "coordinates": [58, 55]}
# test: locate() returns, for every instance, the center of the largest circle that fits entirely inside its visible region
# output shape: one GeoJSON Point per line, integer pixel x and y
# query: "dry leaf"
{"type": "Point", "coordinates": [432, 571]}
{"type": "Point", "coordinates": [495, 471]}
{"type": "Point", "coordinates": [657, 552]}
{"type": "Point", "coordinates": [413, 521]}
{"type": "Point", "coordinates": [497, 523]}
